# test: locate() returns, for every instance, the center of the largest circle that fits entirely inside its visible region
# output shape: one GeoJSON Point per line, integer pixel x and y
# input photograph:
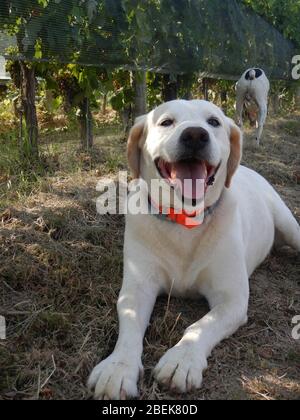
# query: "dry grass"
{"type": "Point", "coordinates": [60, 274]}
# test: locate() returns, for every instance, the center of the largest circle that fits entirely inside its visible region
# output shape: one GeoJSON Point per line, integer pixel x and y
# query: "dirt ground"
{"type": "Point", "coordinates": [60, 274]}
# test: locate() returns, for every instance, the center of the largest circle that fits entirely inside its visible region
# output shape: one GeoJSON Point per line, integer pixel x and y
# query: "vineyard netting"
{"type": "Point", "coordinates": [212, 37]}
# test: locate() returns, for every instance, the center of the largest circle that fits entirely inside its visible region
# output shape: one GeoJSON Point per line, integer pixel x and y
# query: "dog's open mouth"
{"type": "Point", "coordinates": [191, 176]}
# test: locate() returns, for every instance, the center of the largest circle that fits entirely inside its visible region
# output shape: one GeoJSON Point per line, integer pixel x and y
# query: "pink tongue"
{"type": "Point", "coordinates": [188, 174]}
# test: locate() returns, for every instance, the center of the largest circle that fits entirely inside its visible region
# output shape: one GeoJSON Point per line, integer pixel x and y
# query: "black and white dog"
{"type": "Point", "coordinates": [253, 87]}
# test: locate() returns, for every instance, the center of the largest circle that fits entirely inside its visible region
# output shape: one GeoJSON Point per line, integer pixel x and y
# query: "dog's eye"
{"type": "Point", "coordinates": [214, 122]}
{"type": "Point", "coordinates": [167, 123]}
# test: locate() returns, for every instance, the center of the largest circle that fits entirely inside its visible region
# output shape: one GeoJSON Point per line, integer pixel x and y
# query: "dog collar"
{"type": "Point", "coordinates": [187, 220]}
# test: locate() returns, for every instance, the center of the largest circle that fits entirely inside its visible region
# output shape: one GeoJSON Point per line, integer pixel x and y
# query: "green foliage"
{"type": "Point", "coordinates": [18, 173]}
{"type": "Point", "coordinates": [285, 15]}
{"type": "Point", "coordinates": [179, 36]}
{"type": "Point", "coordinates": [123, 94]}
{"type": "Point", "coordinates": [154, 84]}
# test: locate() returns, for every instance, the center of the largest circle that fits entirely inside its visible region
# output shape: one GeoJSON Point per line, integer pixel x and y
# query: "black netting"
{"type": "Point", "coordinates": [213, 37]}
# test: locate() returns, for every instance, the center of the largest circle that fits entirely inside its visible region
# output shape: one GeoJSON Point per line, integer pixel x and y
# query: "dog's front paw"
{"type": "Point", "coordinates": [115, 378]}
{"type": "Point", "coordinates": [181, 369]}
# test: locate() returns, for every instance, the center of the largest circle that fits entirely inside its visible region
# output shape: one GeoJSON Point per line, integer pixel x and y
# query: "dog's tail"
{"type": "Point", "coordinates": [252, 74]}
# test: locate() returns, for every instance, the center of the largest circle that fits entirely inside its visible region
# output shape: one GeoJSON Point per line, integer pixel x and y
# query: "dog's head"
{"type": "Point", "coordinates": [183, 140]}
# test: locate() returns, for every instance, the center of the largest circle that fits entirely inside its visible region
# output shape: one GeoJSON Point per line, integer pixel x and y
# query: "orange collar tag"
{"type": "Point", "coordinates": [188, 221]}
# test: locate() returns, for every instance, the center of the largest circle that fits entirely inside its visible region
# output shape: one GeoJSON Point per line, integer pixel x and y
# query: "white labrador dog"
{"type": "Point", "coordinates": [253, 87]}
{"type": "Point", "coordinates": [191, 139]}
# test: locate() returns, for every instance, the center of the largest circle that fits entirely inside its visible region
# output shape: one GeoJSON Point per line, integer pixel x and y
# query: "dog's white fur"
{"type": "Point", "coordinates": [254, 90]}
{"type": "Point", "coordinates": [214, 260]}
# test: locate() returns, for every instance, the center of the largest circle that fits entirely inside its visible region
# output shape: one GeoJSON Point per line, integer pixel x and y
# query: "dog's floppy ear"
{"type": "Point", "coordinates": [236, 147]}
{"type": "Point", "coordinates": [133, 145]}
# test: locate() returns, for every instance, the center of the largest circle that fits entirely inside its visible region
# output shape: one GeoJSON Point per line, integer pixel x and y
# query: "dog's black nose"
{"type": "Point", "coordinates": [194, 138]}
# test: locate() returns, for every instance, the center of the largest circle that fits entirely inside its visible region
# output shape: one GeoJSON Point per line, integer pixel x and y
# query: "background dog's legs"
{"type": "Point", "coordinates": [239, 110]}
{"type": "Point", "coordinates": [181, 368]}
{"type": "Point", "coordinates": [262, 116]}
{"type": "Point", "coordinates": [117, 376]}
